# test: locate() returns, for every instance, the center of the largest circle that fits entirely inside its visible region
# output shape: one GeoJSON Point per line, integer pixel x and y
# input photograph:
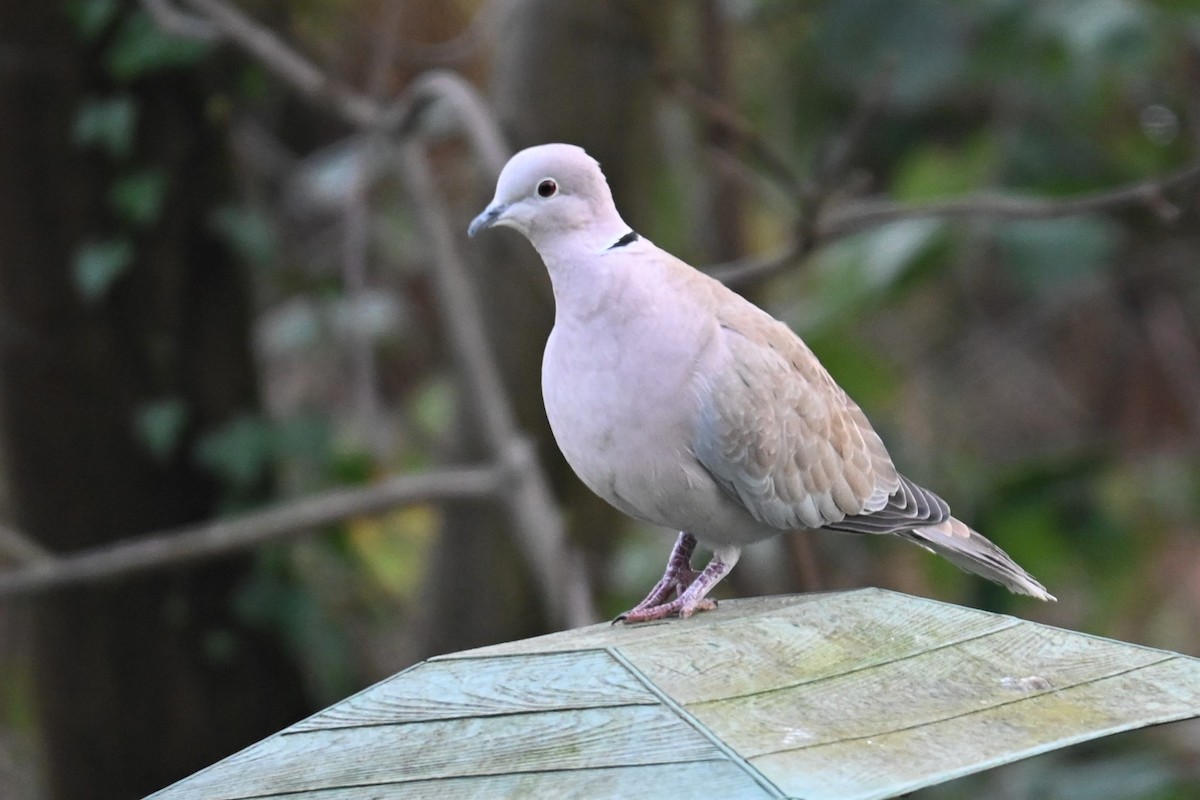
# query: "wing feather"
{"type": "Point", "coordinates": [782, 437]}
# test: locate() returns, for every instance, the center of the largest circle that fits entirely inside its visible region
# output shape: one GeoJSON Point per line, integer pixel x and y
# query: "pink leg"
{"type": "Point", "coordinates": [689, 586]}
{"type": "Point", "coordinates": [678, 576]}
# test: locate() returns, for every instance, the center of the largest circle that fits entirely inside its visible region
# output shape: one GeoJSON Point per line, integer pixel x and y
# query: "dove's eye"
{"type": "Point", "coordinates": [547, 188]}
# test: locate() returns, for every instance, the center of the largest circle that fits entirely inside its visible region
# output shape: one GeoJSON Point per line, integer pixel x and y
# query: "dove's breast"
{"type": "Point", "coordinates": [619, 384]}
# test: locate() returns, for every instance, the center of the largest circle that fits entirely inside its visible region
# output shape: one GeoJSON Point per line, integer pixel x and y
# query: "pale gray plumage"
{"type": "Point", "coordinates": [686, 406]}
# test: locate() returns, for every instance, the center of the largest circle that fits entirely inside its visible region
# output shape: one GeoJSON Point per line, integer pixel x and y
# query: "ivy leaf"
{"type": "Point", "coordinates": [248, 232]}
{"type": "Point", "coordinates": [160, 425]}
{"type": "Point", "coordinates": [107, 123]}
{"type": "Point", "coordinates": [141, 47]}
{"type": "Point", "coordinates": [238, 452]}
{"type": "Point", "coordinates": [92, 17]}
{"type": "Point", "coordinates": [138, 197]}
{"type": "Point", "coordinates": [99, 264]}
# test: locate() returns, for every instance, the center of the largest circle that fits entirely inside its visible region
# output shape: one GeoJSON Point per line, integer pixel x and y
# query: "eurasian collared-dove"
{"type": "Point", "coordinates": [686, 406]}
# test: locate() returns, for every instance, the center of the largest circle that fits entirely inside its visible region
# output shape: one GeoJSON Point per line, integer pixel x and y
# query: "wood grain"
{"type": "Point", "coordinates": [446, 689]}
{"type": "Point", "coordinates": [839, 696]}
{"type": "Point", "coordinates": [604, 634]}
{"type": "Point", "coordinates": [716, 779]}
{"type": "Point", "coordinates": [809, 642]}
{"type": "Point", "coordinates": [902, 761]}
{"type": "Point", "coordinates": [514, 743]}
{"type": "Point", "coordinates": [927, 687]}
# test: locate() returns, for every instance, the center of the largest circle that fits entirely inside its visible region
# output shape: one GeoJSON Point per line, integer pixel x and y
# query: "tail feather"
{"type": "Point", "coordinates": [970, 551]}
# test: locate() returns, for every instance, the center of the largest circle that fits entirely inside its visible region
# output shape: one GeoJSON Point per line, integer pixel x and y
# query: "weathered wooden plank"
{"type": "Point", "coordinates": [802, 643]}
{"type": "Point", "coordinates": [1007, 665]}
{"type": "Point", "coordinates": [495, 745]}
{"type": "Point", "coordinates": [499, 685]}
{"type": "Point", "coordinates": [894, 763]}
{"type": "Point", "coordinates": [604, 634]}
{"type": "Point", "coordinates": [833, 696]}
{"type": "Point", "coordinates": [716, 779]}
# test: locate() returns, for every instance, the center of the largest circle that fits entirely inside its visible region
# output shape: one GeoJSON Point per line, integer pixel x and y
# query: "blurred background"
{"type": "Point", "coordinates": [227, 283]}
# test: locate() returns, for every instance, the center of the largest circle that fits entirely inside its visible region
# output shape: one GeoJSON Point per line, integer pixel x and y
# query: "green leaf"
{"type": "Point", "coordinates": [366, 315]}
{"type": "Point", "coordinates": [92, 17]}
{"type": "Point", "coordinates": [1095, 30]}
{"type": "Point", "coordinates": [238, 452]}
{"type": "Point", "coordinates": [1181, 6]}
{"type": "Point", "coordinates": [248, 232]}
{"type": "Point", "coordinates": [160, 425]}
{"type": "Point", "coordinates": [138, 197]}
{"type": "Point", "coordinates": [292, 328]}
{"type": "Point", "coordinates": [1046, 254]}
{"type": "Point", "coordinates": [99, 264]}
{"type": "Point", "coordinates": [863, 268]}
{"type": "Point", "coordinates": [933, 172]}
{"type": "Point", "coordinates": [924, 45]}
{"type": "Point", "coordinates": [860, 369]}
{"type": "Point", "coordinates": [304, 438]}
{"type": "Point", "coordinates": [141, 47]}
{"type": "Point", "coordinates": [107, 123]}
{"type": "Point", "coordinates": [432, 407]}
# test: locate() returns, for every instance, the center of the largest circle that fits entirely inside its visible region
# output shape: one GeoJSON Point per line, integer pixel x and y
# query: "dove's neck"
{"type": "Point", "coordinates": [567, 243]}
{"type": "Point", "coordinates": [585, 268]}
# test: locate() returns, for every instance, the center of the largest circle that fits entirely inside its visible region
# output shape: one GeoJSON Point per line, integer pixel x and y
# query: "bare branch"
{"type": "Point", "coordinates": [16, 546]}
{"type": "Point", "coordinates": [309, 80]}
{"type": "Point", "coordinates": [287, 64]}
{"type": "Point", "coordinates": [811, 193]}
{"type": "Point", "coordinates": [463, 46]}
{"type": "Point", "coordinates": [206, 540]}
{"type": "Point", "coordinates": [470, 114]}
{"type": "Point", "coordinates": [857, 216]}
{"type": "Point", "coordinates": [817, 226]}
{"type": "Point", "coordinates": [854, 217]}
{"type": "Point", "coordinates": [842, 150]}
{"type": "Point", "coordinates": [172, 20]}
{"type": "Point", "coordinates": [751, 268]}
{"type": "Point", "coordinates": [738, 129]}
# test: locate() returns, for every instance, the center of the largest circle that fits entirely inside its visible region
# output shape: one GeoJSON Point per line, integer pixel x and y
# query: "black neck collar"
{"type": "Point", "coordinates": [624, 240]}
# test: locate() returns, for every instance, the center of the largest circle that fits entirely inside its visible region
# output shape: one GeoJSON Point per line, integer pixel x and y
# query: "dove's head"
{"type": "Point", "coordinates": [551, 190]}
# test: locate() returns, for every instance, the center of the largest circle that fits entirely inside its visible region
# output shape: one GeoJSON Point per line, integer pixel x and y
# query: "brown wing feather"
{"type": "Point", "coordinates": [780, 435]}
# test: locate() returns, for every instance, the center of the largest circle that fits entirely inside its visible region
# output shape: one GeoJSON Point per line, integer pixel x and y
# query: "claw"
{"type": "Point", "coordinates": [688, 586]}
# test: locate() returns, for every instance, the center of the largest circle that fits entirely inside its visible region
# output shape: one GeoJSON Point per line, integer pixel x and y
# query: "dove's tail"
{"type": "Point", "coordinates": [969, 550]}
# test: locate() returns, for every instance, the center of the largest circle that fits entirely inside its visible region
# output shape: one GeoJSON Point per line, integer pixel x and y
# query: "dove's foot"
{"type": "Point", "coordinates": [676, 608]}
{"type": "Point", "coordinates": [678, 576]}
{"type": "Point", "coordinates": [689, 586]}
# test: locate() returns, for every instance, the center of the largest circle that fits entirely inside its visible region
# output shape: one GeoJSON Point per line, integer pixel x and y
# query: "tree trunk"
{"type": "Point", "coordinates": [142, 682]}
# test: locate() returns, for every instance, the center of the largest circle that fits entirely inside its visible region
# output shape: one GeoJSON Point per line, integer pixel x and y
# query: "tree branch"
{"type": "Point", "coordinates": [818, 226]}
{"type": "Point", "coordinates": [172, 20]}
{"type": "Point", "coordinates": [463, 46]}
{"type": "Point", "coordinates": [20, 548]}
{"type": "Point", "coordinates": [737, 128]}
{"type": "Point", "coordinates": [857, 216]}
{"type": "Point", "coordinates": [1152, 194]}
{"type": "Point", "coordinates": [287, 64]}
{"type": "Point", "coordinates": [811, 193]}
{"type": "Point", "coordinates": [221, 537]}
{"type": "Point", "coordinates": [471, 114]}
{"type": "Point", "coordinates": [750, 268]}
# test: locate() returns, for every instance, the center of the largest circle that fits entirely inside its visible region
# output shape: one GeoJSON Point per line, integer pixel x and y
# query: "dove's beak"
{"type": "Point", "coordinates": [487, 219]}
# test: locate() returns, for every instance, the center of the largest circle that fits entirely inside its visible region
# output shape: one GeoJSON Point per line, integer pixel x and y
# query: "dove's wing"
{"type": "Point", "coordinates": [781, 436]}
